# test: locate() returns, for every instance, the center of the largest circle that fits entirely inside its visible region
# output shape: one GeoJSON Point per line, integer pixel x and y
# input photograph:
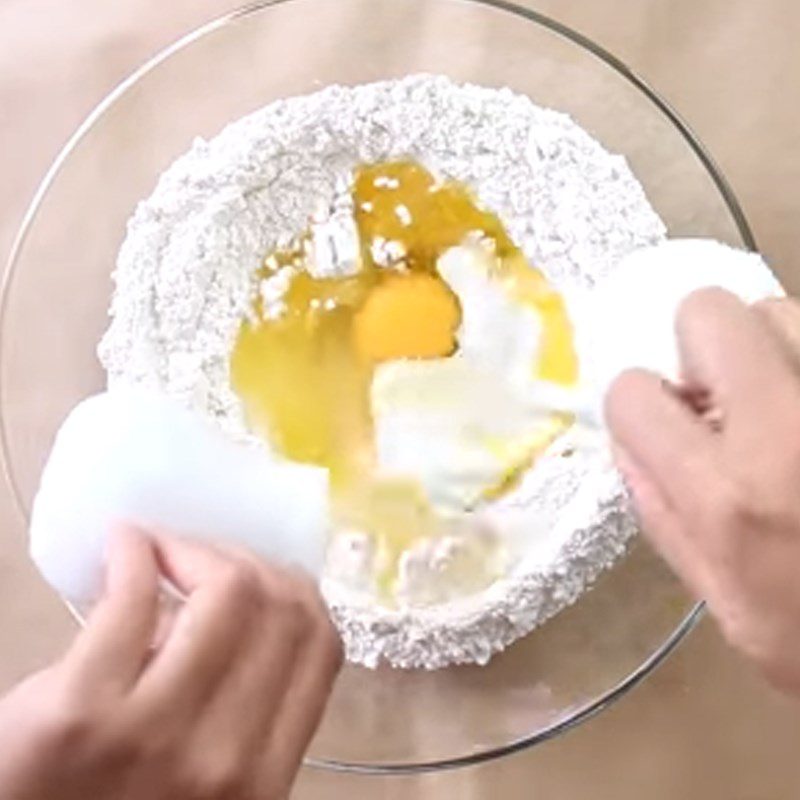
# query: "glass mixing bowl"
{"type": "Point", "coordinates": [57, 291]}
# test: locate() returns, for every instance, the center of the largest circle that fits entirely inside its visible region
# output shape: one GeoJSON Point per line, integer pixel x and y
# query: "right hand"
{"type": "Point", "coordinates": [721, 501]}
{"type": "Point", "coordinates": [222, 709]}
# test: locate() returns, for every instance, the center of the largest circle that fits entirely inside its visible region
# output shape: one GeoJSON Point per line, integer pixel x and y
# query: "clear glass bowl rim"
{"type": "Point", "coordinates": [689, 621]}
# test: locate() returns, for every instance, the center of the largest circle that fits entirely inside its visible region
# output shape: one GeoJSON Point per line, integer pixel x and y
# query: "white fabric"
{"type": "Point", "coordinates": [136, 456]}
{"type": "Point", "coordinates": [628, 321]}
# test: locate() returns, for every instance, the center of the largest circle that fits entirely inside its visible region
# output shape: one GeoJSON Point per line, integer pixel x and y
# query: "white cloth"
{"type": "Point", "coordinates": [131, 455]}
{"type": "Point", "coordinates": [628, 321]}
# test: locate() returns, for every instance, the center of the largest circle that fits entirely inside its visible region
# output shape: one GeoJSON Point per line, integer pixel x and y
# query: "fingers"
{"type": "Point", "coordinates": [222, 601]}
{"type": "Point", "coordinates": [255, 709]}
{"type": "Point", "coordinates": [237, 722]}
{"type": "Point", "coordinates": [661, 523]}
{"type": "Point", "coordinates": [114, 645]}
{"type": "Point", "coordinates": [730, 351]}
{"type": "Point", "coordinates": [318, 658]}
{"type": "Point", "coordinates": [672, 445]}
{"type": "Point", "coordinates": [318, 665]}
{"type": "Point", "coordinates": [188, 564]}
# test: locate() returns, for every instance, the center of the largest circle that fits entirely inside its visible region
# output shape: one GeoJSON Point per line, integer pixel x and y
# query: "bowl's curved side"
{"type": "Point", "coordinates": [578, 716]}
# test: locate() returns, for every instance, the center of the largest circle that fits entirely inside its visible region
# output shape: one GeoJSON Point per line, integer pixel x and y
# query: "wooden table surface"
{"type": "Point", "coordinates": [703, 726]}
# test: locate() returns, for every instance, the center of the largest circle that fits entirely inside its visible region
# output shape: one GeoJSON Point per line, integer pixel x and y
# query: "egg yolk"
{"type": "Point", "coordinates": [407, 316]}
{"type": "Point", "coordinates": [304, 376]}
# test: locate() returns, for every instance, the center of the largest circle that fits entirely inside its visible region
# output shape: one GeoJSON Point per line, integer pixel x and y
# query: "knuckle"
{"type": "Point", "coordinates": [291, 598]}
{"type": "Point", "coordinates": [296, 612]}
{"type": "Point", "coordinates": [309, 625]}
{"type": "Point", "coordinates": [628, 387]}
{"type": "Point", "coordinates": [218, 778]}
{"type": "Point", "coordinates": [68, 723]}
{"type": "Point", "coordinates": [732, 512]}
{"type": "Point", "coordinates": [328, 637]}
{"type": "Point", "coordinates": [239, 584]}
{"type": "Point", "coordinates": [621, 388]}
{"type": "Point", "coordinates": [124, 747]}
{"type": "Point", "coordinates": [725, 505]}
{"type": "Point", "coordinates": [695, 306]}
{"type": "Point", "coordinates": [293, 615]}
{"type": "Point", "coordinates": [629, 380]}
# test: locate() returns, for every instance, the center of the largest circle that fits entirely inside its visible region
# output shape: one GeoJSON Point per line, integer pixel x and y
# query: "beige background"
{"type": "Point", "coordinates": [702, 726]}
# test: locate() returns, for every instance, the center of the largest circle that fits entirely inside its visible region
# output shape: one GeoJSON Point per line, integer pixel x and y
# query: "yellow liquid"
{"type": "Point", "coordinates": [304, 378]}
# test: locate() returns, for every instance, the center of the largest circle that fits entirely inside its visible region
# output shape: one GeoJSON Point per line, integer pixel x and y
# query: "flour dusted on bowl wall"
{"type": "Point", "coordinates": [370, 279]}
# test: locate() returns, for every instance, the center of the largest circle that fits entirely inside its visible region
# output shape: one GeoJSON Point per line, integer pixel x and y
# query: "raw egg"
{"type": "Point", "coordinates": [405, 374]}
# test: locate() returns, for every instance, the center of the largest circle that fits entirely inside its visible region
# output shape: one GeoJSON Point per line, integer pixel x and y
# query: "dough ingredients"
{"type": "Point", "coordinates": [271, 219]}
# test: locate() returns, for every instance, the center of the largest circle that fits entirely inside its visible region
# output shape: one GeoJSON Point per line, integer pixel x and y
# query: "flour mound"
{"type": "Point", "coordinates": [186, 275]}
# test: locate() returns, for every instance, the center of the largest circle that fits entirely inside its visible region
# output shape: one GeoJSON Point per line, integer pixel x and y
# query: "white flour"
{"type": "Point", "coordinates": [185, 279]}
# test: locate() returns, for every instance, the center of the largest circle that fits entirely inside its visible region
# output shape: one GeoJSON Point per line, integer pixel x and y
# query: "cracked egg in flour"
{"type": "Point", "coordinates": [397, 343]}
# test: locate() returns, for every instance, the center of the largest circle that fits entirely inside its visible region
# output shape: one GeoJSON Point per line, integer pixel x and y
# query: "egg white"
{"type": "Point", "coordinates": [459, 425]}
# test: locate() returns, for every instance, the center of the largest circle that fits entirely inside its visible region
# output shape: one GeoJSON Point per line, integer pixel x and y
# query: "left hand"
{"type": "Point", "coordinates": [223, 709]}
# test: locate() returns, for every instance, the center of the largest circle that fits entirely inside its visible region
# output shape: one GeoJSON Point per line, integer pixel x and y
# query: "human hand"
{"type": "Point", "coordinates": [714, 469]}
{"type": "Point", "coordinates": [222, 709]}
